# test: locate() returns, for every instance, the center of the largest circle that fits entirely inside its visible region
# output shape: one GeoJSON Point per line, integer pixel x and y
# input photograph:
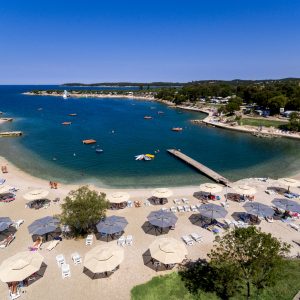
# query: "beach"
{"type": "Point", "coordinates": [132, 271]}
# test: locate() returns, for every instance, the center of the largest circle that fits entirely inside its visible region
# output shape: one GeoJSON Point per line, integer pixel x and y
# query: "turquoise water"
{"type": "Point", "coordinates": [233, 154]}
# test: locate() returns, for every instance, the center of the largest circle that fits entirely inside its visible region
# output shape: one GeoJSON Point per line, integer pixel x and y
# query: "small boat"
{"type": "Point", "coordinates": [66, 94]}
{"type": "Point", "coordinates": [177, 129]}
{"type": "Point", "coordinates": [89, 142]}
{"type": "Point", "coordinates": [147, 158]}
{"type": "Point", "coordinates": [66, 123]}
{"type": "Point", "coordinates": [160, 112]}
{"type": "Point", "coordinates": [151, 156]}
{"type": "Point", "coordinates": [72, 115]}
{"type": "Point", "coordinates": [98, 150]}
{"type": "Point", "coordinates": [139, 157]}
{"type": "Point", "coordinates": [147, 117]}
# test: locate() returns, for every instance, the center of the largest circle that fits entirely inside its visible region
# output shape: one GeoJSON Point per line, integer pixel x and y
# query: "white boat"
{"type": "Point", "coordinates": [147, 158]}
{"type": "Point", "coordinates": [139, 157]}
{"type": "Point", "coordinates": [66, 94]}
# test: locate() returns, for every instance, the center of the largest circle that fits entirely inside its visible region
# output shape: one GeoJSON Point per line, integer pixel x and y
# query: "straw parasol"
{"type": "Point", "coordinates": [118, 197]}
{"type": "Point", "coordinates": [162, 193]}
{"type": "Point", "coordinates": [5, 188]}
{"type": "Point", "coordinates": [168, 250]}
{"type": "Point", "coordinates": [289, 182]}
{"type": "Point", "coordinates": [20, 266]}
{"type": "Point", "coordinates": [211, 188]}
{"type": "Point", "coordinates": [103, 258]}
{"type": "Point", "coordinates": [36, 195]}
{"type": "Point", "coordinates": [243, 189]}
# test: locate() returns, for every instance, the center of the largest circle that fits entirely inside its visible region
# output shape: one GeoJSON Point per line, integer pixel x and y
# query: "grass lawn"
{"type": "Point", "coordinates": [170, 287]}
{"type": "Point", "coordinates": [261, 122]}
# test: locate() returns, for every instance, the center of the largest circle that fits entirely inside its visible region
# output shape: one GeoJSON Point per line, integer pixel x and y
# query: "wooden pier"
{"type": "Point", "coordinates": [200, 167]}
{"type": "Point", "coordinates": [11, 133]}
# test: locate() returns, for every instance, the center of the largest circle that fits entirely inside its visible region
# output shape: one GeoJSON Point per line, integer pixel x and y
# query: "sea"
{"type": "Point", "coordinates": [52, 151]}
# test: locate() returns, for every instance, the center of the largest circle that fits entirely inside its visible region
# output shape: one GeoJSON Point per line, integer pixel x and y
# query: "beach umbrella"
{"type": "Point", "coordinates": [36, 195]}
{"type": "Point", "coordinates": [111, 225]}
{"type": "Point", "coordinates": [168, 251]}
{"type": "Point", "coordinates": [118, 197]}
{"type": "Point", "coordinates": [289, 182]}
{"type": "Point", "coordinates": [5, 222]}
{"type": "Point", "coordinates": [5, 189]}
{"type": "Point", "coordinates": [20, 266]}
{"type": "Point", "coordinates": [162, 218]}
{"type": "Point", "coordinates": [43, 226]}
{"type": "Point", "coordinates": [258, 209]}
{"type": "Point", "coordinates": [212, 211]}
{"type": "Point", "coordinates": [211, 188]}
{"type": "Point", "coordinates": [103, 258]}
{"type": "Point", "coordinates": [287, 205]}
{"type": "Point", "coordinates": [244, 189]}
{"type": "Point", "coordinates": [162, 193]}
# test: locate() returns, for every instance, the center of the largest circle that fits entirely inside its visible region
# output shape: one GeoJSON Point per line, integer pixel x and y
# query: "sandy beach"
{"type": "Point", "coordinates": [132, 271]}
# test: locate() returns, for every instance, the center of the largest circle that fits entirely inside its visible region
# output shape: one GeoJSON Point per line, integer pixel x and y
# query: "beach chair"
{"type": "Point", "coordinates": [193, 208]}
{"type": "Point", "coordinates": [164, 209]}
{"type": "Point", "coordinates": [180, 208]}
{"type": "Point", "coordinates": [129, 203]}
{"type": "Point", "coordinates": [185, 200]}
{"type": "Point", "coordinates": [173, 209]}
{"type": "Point", "coordinates": [65, 271]}
{"type": "Point", "coordinates": [188, 240]}
{"type": "Point", "coordinates": [198, 206]}
{"type": "Point", "coordinates": [176, 201]}
{"type": "Point", "coordinates": [186, 208]}
{"type": "Point", "coordinates": [121, 241]}
{"type": "Point", "coordinates": [60, 259]}
{"type": "Point", "coordinates": [147, 203]}
{"type": "Point", "coordinates": [89, 240]}
{"type": "Point", "coordinates": [18, 223]}
{"type": "Point", "coordinates": [129, 240]}
{"type": "Point", "coordinates": [52, 245]}
{"type": "Point", "coordinates": [196, 237]}
{"type": "Point", "coordinates": [16, 295]}
{"type": "Point", "coordinates": [225, 204]}
{"type": "Point", "coordinates": [76, 258]}
{"type": "Point", "coordinates": [294, 226]}
{"type": "Point", "coordinates": [7, 241]}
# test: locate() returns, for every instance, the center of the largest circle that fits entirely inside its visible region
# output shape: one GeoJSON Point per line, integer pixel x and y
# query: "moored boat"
{"type": "Point", "coordinates": [147, 117]}
{"type": "Point", "coordinates": [177, 129]}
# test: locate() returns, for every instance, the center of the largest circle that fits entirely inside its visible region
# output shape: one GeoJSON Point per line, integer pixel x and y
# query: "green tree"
{"type": "Point", "coordinates": [254, 256]}
{"type": "Point", "coordinates": [294, 122]}
{"type": "Point", "coordinates": [82, 209]}
{"type": "Point", "coordinates": [276, 103]}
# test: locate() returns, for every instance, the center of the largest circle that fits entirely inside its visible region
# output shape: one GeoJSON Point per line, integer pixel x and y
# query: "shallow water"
{"type": "Point", "coordinates": [234, 155]}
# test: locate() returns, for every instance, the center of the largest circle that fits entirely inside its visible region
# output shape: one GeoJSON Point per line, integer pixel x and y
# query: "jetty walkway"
{"type": "Point", "coordinates": [200, 167]}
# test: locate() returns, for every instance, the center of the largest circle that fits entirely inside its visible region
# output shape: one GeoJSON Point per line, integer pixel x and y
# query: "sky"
{"type": "Point", "coordinates": [57, 41]}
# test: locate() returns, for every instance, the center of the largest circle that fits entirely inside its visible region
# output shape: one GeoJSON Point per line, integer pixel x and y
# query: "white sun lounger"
{"type": "Point", "coordinates": [129, 240]}
{"type": "Point", "coordinates": [65, 271]}
{"type": "Point", "coordinates": [186, 208]}
{"type": "Point", "coordinates": [180, 208]}
{"type": "Point", "coordinates": [52, 245]}
{"type": "Point", "coordinates": [147, 203]}
{"type": "Point", "coordinates": [185, 200]}
{"type": "Point", "coordinates": [18, 223]}
{"type": "Point", "coordinates": [193, 208]}
{"type": "Point", "coordinates": [176, 201]}
{"type": "Point", "coordinates": [196, 237]}
{"type": "Point", "coordinates": [173, 209]}
{"type": "Point", "coordinates": [60, 259]}
{"type": "Point", "coordinates": [121, 241]}
{"type": "Point", "coordinates": [89, 240]}
{"type": "Point", "coordinates": [198, 205]}
{"type": "Point", "coordinates": [76, 258]}
{"type": "Point", "coordinates": [294, 226]}
{"type": "Point", "coordinates": [187, 240]}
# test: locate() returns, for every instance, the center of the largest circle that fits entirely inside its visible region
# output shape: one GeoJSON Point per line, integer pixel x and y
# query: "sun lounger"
{"type": "Point", "coordinates": [147, 203]}
{"type": "Point", "coordinates": [294, 226]}
{"type": "Point", "coordinates": [173, 209]}
{"type": "Point", "coordinates": [176, 201]}
{"type": "Point", "coordinates": [60, 259]}
{"type": "Point", "coordinates": [185, 200]}
{"type": "Point", "coordinates": [7, 241]}
{"type": "Point", "coordinates": [196, 237]}
{"type": "Point", "coordinates": [269, 219]}
{"type": "Point", "coordinates": [180, 208]}
{"type": "Point", "coordinates": [121, 241]}
{"type": "Point", "coordinates": [225, 204]}
{"type": "Point", "coordinates": [18, 223]}
{"type": "Point", "coordinates": [52, 245]}
{"type": "Point", "coordinates": [76, 258]}
{"type": "Point", "coordinates": [129, 240]}
{"type": "Point", "coordinates": [16, 295]}
{"type": "Point", "coordinates": [65, 271]}
{"type": "Point", "coordinates": [186, 208]}
{"type": "Point", "coordinates": [193, 208]}
{"type": "Point", "coordinates": [164, 209]}
{"type": "Point", "coordinates": [198, 205]}
{"type": "Point", "coordinates": [188, 240]}
{"type": "Point", "coordinates": [89, 240]}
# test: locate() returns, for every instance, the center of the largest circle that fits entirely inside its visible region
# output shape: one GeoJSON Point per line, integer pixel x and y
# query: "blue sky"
{"type": "Point", "coordinates": [92, 41]}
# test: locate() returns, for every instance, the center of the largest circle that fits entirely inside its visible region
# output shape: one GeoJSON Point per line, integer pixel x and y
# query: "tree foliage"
{"type": "Point", "coordinates": [251, 257]}
{"type": "Point", "coordinates": [82, 209]}
{"type": "Point", "coordinates": [294, 122]}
